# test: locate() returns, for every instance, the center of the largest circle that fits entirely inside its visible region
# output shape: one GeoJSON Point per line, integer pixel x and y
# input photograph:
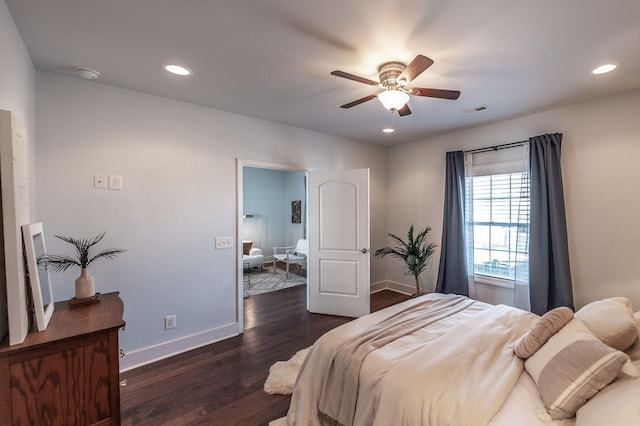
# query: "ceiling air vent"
{"type": "Point", "coordinates": [476, 109]}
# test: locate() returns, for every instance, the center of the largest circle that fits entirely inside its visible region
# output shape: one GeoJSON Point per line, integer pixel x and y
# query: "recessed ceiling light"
{"type": "Point", "coordinates": [87, 73]}
{"type": "Point", "coordinates": [388, 130]}
{"type": "Point", "coordinates": [178, 69]}
{"type": "Point", "coordinates": [605, 68]}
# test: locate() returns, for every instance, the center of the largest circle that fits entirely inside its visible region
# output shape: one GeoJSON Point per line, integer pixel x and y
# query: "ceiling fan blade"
{"type": "Point", "coordinates": [435, 93]}
{"type": "Point", "coordinates": [355, 78]}
{"type": "Point", "coordinates": [359, 101]}
{"type": "Point", "coordinates": [415, 68]}
{"type": "Point", "coordinates": [404, 110]}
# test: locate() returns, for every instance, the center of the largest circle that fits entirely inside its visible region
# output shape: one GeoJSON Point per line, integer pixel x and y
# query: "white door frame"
{"type": "Point", "coordinates": [240, 165]}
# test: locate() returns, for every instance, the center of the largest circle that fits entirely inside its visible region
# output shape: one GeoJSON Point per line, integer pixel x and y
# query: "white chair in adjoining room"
{"type": "Point", "coordinates": [291, 255]}
{"type": "Point", "coordinates": [254, 259]}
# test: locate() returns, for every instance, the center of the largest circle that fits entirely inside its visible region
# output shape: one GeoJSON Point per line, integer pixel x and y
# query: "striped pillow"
{"type": "Point", "coordinates": [572, 367]}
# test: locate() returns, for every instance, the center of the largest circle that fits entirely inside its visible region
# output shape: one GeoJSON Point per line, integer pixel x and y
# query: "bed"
{"type": "Point", "coordinates": [449, 360]}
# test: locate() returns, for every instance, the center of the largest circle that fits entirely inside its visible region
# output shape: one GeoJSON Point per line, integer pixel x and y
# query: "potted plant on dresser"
{"type": "Point", "coordinates": [84, 284]}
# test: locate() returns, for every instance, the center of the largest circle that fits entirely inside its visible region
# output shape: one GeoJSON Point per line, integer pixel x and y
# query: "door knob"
{"type": "Point", "coordinates": [364, 250]}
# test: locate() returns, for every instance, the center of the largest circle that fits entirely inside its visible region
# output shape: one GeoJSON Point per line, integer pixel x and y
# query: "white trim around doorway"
{"type": "Point", "coordinates": [240, 165]}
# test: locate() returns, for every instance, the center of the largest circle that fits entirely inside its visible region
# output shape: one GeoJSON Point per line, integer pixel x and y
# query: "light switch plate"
{"type": "Point", "coordinates": [115, 182]}
{"type": "Point", "coordinates": [224, 242]}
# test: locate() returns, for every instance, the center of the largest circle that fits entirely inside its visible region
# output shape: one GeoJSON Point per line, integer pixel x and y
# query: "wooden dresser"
{"type": "Point", "coordinates": [67, 374]}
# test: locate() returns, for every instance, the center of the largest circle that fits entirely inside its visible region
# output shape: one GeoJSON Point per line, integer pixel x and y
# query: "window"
{"type": "Point", "coordinates": [500, 224]}
{"type": "Point", "coordinates": [497, 218]}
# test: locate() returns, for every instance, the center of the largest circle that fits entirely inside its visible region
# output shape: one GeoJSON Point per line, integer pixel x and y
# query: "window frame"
{"type": "Point", "coordinates": [491, 169]}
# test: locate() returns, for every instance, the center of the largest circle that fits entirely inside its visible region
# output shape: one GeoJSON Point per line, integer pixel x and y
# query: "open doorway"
{"type": "Point", "coordinates": [272, 215]}
{"type": "Point", "coordinates": [272, 223]}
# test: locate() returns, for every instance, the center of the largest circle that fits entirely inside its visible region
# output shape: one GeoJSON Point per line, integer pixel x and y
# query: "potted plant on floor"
{"type": "Point", "coordinates": [85, 285]}
{"type": "Point", "coordinates": [415, 252]}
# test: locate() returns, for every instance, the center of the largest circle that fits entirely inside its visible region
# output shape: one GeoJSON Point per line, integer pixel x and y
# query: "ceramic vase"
{"type": "Point", "coordinates": [85, 286]}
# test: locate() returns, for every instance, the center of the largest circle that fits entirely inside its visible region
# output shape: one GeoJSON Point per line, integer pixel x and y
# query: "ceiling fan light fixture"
{"type": "Point", "coordinates": [393, 99]}
{"type": "Point", "coordinates": [392, 78]}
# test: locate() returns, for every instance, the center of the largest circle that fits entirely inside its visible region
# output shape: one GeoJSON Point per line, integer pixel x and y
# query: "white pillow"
{"type": "Point", "coordinates": [611, 320]}
{"type": "Point", "coordinates": [617, 404]}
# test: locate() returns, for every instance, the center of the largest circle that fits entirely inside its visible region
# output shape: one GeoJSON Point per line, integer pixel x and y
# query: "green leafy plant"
{"type": "Point", "coordinates": [415, 252]}
{"type": "Point", "coordinates": [82, 258]}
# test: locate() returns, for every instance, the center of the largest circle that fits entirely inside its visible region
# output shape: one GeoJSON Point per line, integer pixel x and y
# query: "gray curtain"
{"type": "Point", "coordinates": [549, 273]}
{"type": "Point", "coordinates": [452, 273]}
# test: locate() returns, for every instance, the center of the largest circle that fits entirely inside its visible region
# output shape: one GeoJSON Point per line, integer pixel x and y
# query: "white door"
{"type": "Point", "coordinates": [338, 264]}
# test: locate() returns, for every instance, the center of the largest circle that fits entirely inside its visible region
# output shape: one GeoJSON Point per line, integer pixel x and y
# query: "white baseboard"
{"type": "Point", "coordinates": [393, 286]}
{"type": "Point", "coordinates": [151, 354]}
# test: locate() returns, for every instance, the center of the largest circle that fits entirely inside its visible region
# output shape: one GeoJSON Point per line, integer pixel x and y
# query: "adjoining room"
{"type": "Point", "coordinates": [273, 224]}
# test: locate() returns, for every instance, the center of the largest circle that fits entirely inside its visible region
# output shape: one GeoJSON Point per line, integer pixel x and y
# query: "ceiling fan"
{"type": "Point", "coordinates": [394, 76]}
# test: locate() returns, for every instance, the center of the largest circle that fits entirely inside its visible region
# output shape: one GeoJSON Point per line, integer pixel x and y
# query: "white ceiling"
{"type": "Point", "coordinates": [271, 59]}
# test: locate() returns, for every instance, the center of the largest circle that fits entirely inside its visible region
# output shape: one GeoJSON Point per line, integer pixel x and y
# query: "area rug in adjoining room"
{"type": "Point", "coordinates": [258, 281]}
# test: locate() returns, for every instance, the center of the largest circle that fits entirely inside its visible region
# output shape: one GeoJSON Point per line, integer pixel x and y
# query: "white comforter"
{"type": "Point", "coordinates": [459, 370]}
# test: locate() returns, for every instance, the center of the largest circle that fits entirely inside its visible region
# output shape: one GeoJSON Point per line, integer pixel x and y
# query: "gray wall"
{"type": "Point", "coordinates": [178, 163]}
{"type": "Point", "coordinates": [601, 178]}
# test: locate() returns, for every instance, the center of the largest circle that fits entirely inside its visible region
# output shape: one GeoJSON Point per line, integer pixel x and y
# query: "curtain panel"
{"type": "Point", "coordinates": [452, 273]}
{"type": "Point", "coordinates": [549, 271]}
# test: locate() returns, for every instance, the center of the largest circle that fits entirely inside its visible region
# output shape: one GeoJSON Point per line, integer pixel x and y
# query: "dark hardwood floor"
{"type": "Point", "coordinates": [221, 384]}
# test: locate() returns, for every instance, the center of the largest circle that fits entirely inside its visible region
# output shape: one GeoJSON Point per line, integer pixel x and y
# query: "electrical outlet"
{"type": "Point", "coordinates": [169, 322]}
{"type": "Point", "coordinates": [224, 242]}
{"type": "Point", "coordinates": [115, 182]}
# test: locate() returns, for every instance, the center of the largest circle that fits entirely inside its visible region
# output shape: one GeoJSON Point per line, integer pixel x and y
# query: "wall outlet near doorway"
{"type": "Point", "coordinates": [169, 322]}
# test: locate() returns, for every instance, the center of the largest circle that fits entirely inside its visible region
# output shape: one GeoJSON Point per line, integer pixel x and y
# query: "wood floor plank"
{"type": "Point", "coordinates": [222, 383]}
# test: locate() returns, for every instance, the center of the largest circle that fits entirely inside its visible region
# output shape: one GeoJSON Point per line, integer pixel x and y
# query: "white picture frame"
{"type": "Point", "coordinates": [38, 274]}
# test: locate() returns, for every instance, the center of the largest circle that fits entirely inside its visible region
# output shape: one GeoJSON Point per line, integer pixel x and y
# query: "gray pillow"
{"type": "Point", "coordinates": [545, 327]}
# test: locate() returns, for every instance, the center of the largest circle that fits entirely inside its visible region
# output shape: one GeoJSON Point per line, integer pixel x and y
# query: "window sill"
{"type": "Point", "coordinates": [497, 282]}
